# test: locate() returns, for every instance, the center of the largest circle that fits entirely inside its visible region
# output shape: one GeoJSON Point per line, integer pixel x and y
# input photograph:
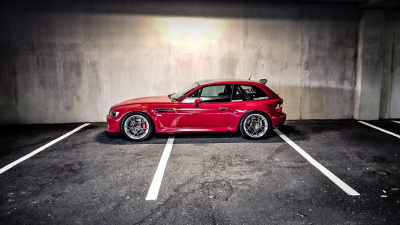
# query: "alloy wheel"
{"type": "Point", "coordinates": [136, 127]}
{"type": "Point", "coordinates": [255, 125]}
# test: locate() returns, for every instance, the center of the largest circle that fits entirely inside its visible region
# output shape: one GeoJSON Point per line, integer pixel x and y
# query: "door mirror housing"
{"type": "Point", "coordinates": [197, 102]}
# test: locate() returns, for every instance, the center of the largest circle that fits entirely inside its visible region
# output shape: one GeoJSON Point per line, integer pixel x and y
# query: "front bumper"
{"type": "Point", "coordinates": [113, 124]}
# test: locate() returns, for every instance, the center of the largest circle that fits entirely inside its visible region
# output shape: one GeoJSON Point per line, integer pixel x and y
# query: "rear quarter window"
{"type": "Point", "coordinates": [248, 92]}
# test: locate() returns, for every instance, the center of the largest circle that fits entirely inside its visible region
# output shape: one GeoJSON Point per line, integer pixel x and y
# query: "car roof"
{"type": "Point", "coordinates": [226, 80]}
{"type": "Point", "coordinates": [261, 85]}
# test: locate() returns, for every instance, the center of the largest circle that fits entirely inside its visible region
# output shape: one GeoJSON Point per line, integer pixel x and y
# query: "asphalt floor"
{"type": "Point", "coordinates": [93, 177]}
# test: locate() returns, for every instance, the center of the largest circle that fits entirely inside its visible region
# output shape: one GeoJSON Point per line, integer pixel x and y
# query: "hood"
{"type": "Point", "coordinates": [152, 99]}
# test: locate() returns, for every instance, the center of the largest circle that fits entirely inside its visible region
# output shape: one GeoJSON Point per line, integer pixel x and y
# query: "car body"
{"type": "Point", "coordinates": [204, 106]}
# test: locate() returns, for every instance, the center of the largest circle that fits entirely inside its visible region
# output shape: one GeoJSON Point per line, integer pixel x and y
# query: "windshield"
{"type": "Point", "coordinates": [176, 96]}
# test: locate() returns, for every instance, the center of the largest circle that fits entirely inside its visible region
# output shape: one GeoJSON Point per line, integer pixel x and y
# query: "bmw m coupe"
{"type": "Point", "coordinates": [246, 106]}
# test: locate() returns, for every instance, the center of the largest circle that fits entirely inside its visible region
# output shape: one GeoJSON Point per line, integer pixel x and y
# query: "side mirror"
{"type": "Point", "coordinates": [197, 102]}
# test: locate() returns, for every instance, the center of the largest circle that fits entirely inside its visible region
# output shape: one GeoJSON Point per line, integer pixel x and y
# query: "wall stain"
{"type": "Point", "coordinates": [229, 65]}
{"type": "Point", "coordinates": [302, 60]}
{"type": "Point", "coordinates": [72, 80]}
{"type": "Point", "coordinates": [8, 71]}
{"type": "Point", "coordinates": [14, 81]}
{"type": "Point", "coordinates": [95, 89]}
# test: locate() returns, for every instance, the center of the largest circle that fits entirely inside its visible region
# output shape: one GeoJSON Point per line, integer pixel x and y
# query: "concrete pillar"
{"type": "Point", "coordinates": [390, 87]}
{"type": "Point", "coordinates": [369, 65]}
{"type": "Point", "coordinates": [395, 82]}
{"type": "Point", "coordinates": [387, 66]}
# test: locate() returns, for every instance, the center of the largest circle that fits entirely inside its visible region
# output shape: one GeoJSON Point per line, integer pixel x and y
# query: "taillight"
{"type": "Point", "coordinates": [279, 106]}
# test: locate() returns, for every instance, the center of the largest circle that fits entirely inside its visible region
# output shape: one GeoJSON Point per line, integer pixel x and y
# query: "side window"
{"type": "Point", "coordinates": [247, 92]}
{"type": "Point", "coordinates": [214, 93]}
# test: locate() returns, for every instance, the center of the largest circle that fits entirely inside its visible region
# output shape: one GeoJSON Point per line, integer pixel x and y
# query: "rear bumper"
{"type": "Point", "coordinates": [278, 119]}
{"type": "Point", "coordinates": [113, 124]}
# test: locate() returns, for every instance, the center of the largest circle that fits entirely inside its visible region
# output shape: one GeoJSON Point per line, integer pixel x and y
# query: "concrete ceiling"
{"type": "Point", "coordinates": [362, 3]}
{"type": "Point", "coordinates": [381, 3]}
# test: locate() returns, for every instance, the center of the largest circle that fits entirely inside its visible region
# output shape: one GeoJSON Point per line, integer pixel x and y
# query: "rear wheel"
{"type": "Point", "coordinates": [255, 125]}
{"type": "Point", "coordinates": [137, 126]}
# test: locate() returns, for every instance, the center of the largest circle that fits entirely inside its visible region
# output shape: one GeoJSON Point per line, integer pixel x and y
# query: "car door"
{"type": "Point", "coordinates": [213, 111]}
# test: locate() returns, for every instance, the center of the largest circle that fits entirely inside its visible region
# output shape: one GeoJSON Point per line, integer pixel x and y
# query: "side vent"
{"type": "Point", "coordinates": [164, 110]}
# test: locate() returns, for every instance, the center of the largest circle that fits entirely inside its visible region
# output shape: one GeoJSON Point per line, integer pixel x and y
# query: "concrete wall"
{"type": "Point", "coordinates": [369, 65]}
{"type": "Point", "coordinates": [390, 88]}
{"type": "Point", "coordinates": [71, 62]}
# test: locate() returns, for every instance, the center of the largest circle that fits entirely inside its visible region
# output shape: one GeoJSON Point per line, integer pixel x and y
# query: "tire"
{"type": "Point", "coordinates": [137, 126]}
{"type": "Point", "coordinates": [255, 125]}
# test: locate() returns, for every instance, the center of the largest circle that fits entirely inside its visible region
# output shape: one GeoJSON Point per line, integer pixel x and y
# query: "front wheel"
{"type": "Point", "coordinates": [137, 126]}
{"type": "Point", "coordinates": [255, 125]}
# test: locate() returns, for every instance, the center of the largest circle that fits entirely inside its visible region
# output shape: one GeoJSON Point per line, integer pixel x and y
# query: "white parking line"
{"type": "Point", "coordinates": [158, 176]}
{"type": "Point", "coordinates": [9, 166]}
{"type": "Point", "coordinates": [346, 188]}
{"type": "Point", "coordinates": [378, 128]}
{"type": "Point", "coordinates": [396, 121]}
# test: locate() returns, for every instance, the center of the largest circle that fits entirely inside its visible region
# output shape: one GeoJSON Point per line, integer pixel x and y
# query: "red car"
{"type": "Point", "coordinates": [205, 106]}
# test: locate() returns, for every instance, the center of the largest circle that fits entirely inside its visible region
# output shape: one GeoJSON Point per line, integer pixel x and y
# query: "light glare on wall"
{"type": "Point", "coordinates": [185, 29]}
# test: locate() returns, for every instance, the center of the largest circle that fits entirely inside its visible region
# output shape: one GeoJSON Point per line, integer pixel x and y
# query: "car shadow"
{"type": "Point", "coordinates": [196, 138]}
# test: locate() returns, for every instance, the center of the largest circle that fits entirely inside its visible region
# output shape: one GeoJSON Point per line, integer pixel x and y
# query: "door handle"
{"type": "Point", "coordinates": [223, 108]}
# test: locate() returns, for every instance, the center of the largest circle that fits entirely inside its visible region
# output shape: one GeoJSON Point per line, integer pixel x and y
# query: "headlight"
{"type": "Point", "coordinates": [113, 113]}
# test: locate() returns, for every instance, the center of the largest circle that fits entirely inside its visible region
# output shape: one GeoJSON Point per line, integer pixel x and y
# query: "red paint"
{"type": "Point", "coordinates": [170, 116]}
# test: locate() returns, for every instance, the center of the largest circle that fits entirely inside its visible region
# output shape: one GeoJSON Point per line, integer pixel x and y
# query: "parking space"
{"type": "Point", "coordinates": [93, 177]}
{"type": "Point", "coordinates": [384, 126]}
{"type": "Point", "coordinates": [79, 178]}
{"type": "Point", "coordinates": [20, 140]}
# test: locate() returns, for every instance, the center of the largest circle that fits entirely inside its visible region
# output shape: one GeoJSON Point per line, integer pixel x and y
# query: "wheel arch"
{"type": "Point", "coordinates": [137, 111]}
